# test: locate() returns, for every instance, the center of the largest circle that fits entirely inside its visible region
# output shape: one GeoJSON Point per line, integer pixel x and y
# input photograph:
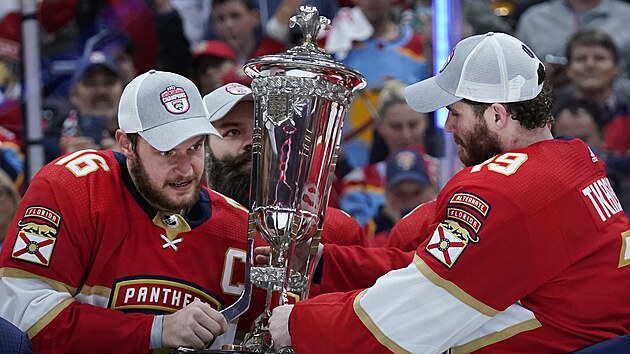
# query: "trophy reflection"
{"type": "Point", "coordinates": [301, 97]}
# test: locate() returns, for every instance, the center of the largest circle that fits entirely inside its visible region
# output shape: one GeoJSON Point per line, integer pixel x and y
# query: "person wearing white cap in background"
{"type": "Point", "coordinates": [528, 248]}
{"type": "Point", "coordinates": [228, 166]}
{"type": "Point", "coordinates": [128, 251]}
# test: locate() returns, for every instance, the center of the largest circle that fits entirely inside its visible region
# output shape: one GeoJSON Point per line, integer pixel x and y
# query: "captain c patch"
{"type": "Point", "coordinates": [448, 242]}
{"type": "Point", "coordinates": [37, 236]}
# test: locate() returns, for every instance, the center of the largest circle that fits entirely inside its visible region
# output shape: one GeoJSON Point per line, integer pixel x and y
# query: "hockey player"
{"type": "Point", "coordinates": [528, 251]}
{"type": "Point", "coordinates": [126, 251]}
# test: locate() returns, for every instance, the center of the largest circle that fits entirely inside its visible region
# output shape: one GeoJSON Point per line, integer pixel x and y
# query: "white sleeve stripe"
{"type": "Point", "coordinates": [416, 315]}
{"type": "Point", "coordinates": [406, 311]}
{"type": "Point", "coordinates": [452, 288]}
{"type": "Point", "coordinates": [29, 303]}
{"type": "Point", "coordinates": [373, 327]}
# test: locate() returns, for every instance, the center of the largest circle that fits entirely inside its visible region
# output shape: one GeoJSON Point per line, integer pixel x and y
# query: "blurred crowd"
{"type": "Point", "coordinates": [390, 156]}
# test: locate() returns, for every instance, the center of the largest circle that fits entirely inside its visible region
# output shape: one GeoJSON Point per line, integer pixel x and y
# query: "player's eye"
{"type": "Point", "coordinates": [232, 132]}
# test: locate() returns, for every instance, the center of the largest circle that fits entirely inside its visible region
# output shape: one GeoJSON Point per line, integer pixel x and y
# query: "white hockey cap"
{"type": "Point", "coordinates": [223, 99]}
{"type": "Point", "coordinates": [164, 108]}
{"type": "Point", "coordinates": [488, 68]}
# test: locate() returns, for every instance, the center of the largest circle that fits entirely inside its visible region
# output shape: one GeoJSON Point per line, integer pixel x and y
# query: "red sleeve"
{"type": "Point", "coordinates": [341, 229]}
{"type": "Point", "coordinates": [82, 328]}
{"type": "Point", "coordinates": [348, 268]}
{"type": "Point", "coordinates": [306, 335]}
{"type": "Point", "coordinates": [414, 228]}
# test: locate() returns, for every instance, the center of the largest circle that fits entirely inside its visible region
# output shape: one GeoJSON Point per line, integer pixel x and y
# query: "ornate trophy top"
{"type": "Point", "coordinates": [310, 22]}
{"type": "Point", "coordinates": [307, 60]}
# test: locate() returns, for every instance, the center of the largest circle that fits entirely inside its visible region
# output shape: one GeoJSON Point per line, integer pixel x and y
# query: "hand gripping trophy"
{"type": "Point", "coordinates": [300, 99]}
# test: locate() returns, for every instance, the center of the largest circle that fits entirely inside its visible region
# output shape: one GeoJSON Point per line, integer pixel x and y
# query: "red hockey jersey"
{"type": "Point", "coordinates": [528, 254]}
{"type": "Point", "coordinates": [84, 243]}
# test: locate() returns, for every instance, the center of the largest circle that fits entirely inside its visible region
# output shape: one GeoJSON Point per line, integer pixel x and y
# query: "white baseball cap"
{"type": "Point", "coordinates": [221, 101]}
{"type": "Point", "coordinates": [488, 68]}
{"type": "Point", "coordinates": [164, 108]}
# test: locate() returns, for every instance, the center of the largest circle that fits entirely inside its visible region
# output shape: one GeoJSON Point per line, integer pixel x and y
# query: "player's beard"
{"type": "Point", "coordinates": [229, 176]}
{"type": "Point", "coordinates": [155, 196]}
{"type": "Point", "coordinates": [478, 145]}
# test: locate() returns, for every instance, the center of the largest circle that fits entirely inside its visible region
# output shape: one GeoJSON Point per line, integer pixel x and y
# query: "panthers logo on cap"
{"type": "Point", "coordinates": [175, 100]}
{"type": "Point", "coordinates": [405, 160]}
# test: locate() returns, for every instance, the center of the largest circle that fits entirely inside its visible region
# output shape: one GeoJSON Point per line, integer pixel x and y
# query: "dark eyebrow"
{"type": "Point", "coordinates": [229, 125]}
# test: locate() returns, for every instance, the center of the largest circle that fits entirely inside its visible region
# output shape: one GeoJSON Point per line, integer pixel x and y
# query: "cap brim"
{"type": "Point", "coordinates": [427, 96]}
{"type": "Point", "coordinates": [414, 177]}
{"type": "Point", "coordinates": [221, 111]}
{"type": "Point", "coordinates": [167, 136]}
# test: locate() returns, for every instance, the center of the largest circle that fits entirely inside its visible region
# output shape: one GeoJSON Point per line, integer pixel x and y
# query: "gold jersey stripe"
{"type": "Point", "coordinates": [496, 337]}
{"type": "Point", "coordinates": [453, 289]}
{"type": "Point", "coordinates": [48, 317]}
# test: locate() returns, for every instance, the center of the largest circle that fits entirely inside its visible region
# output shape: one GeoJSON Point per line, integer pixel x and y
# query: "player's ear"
{"type": "Point", "coordinates": [124, 143]}
{"type": "Point", "coordinates": [500, 115]}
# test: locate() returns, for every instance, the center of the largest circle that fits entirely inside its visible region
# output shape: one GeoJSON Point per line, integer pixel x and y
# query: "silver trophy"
{"type": "Point", "coordinates": [301, 97]}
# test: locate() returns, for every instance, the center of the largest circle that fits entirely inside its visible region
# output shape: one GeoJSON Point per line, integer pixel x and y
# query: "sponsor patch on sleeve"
{"type": "Point", "coordinates": [36, 238]}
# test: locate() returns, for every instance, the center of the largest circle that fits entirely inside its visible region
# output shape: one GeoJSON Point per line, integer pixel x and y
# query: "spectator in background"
{"type": "Point", "coordinates": [195, 15]}
{"type": "Point", "coordinates": [362, 192]}
{"type": "Point", "coordinates": [547, 27]}
{"type": "Point", "coordinates": [9, 199]}
{"type": "Point", "coordinates": [367, 38]}
{"type": "Point", "coordinates": [91, 123]}
{"type": "Point", "coordinates": [11, 157]}
{"type": "Point", "coordinates": [593, 72]}
{"type": "Point", "coordinates": [10, 69]}
{"type": "Point", "coordinates": [237, 23]}
{"type": "Point", "coordinates": [70, 27]}
{"type": "Point", "coordinates": [119, 47]}
{"type": "Point", "coordinates": [408, 183]}
{"type": "Point", "coordinates": [579, 118]}
{"type": "Point", "coordinates": [479, 17]}
{"type": "Point", "coordinates": [212, 60]}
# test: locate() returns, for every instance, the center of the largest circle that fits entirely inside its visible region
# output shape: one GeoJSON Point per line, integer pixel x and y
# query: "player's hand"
{"type": "Point", "coordinates": [301, 252]}
{"type": "Point", "coordinates": [279, 326]}
{"type": "Point", "coordinates": [261, 256]}
{"type": "Point", "coordinates": [194, 326]}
